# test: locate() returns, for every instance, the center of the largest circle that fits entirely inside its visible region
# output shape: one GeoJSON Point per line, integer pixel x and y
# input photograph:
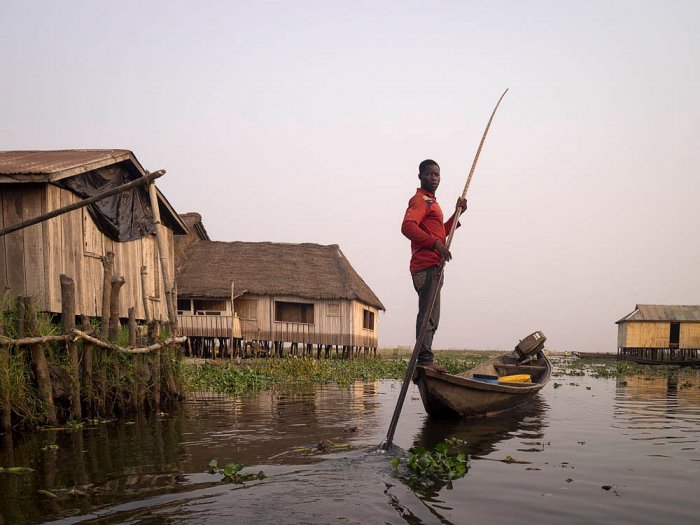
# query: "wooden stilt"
{"type": "Point", "coordinates": [38, 360]}
{"type": "Point", "coordinates": [162, 257]}
{"type": "Point", "coordinates": [6, 418]}
{"type": "Point", "coordinates": [68, 319]}
{"type": "Point", "coordinates": [87, 367]}
{"type": "Point", "coordinates": [153, 329]}
{"type": "Point", "coordinates": [116, 285]}
{"type": "Point", "coordinates": [108, 268]}
{"type": "Point", "coordinates": [144, 295]}
{"type": "Point", "coordinates": [132, 327]}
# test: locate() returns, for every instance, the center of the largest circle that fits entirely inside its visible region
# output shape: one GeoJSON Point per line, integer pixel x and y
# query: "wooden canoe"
{"type": "Point", "coordinates": [464, 395]}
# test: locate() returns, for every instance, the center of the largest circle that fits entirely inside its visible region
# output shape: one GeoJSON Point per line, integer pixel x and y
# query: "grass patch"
{"type": "Point", "coordinates": [254, 375]}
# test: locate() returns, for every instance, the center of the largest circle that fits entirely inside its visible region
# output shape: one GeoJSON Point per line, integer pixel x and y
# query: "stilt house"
{"type": "Point", "coordinates": [280, 293]}
{"type": "Point", "coordinates": [660, 333]}
{"type": "Point", "coordinates": [32, 259]}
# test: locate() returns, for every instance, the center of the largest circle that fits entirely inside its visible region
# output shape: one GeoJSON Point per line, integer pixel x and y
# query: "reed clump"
{"type": "Point", "coordinates": [117, 383]}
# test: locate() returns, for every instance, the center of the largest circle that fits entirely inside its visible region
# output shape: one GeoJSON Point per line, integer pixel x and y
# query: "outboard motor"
{"type": "Point", "coordinates": [532, 345]}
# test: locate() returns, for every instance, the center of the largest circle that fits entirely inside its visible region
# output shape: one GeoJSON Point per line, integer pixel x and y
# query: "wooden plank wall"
{"type": "Point", "coordinates": [342, 329]}
{"type": "Point", "coordinates": [362, 336]}
{"type": "Point", "coordinates": [622, 335]}
{"type": "Point", "coordinates": [32, 259]}
{"type": "Point", "coordinates": [690, 335]}
{"type": "Point", "coordinates": [647, 335]}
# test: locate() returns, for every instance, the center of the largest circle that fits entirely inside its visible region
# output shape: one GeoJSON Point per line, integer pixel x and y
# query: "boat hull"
{"type": "Point", "coordinates": [448, 395]}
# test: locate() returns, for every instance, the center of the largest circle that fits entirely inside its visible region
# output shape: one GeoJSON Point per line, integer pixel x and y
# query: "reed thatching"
{"type": "Point", "coordinates": [307, 270]}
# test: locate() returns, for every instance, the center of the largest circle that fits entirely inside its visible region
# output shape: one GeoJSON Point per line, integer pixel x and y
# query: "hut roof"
{"type": "Point", "coordinates": [193, 220]}
{"type": "Point", "coordinates": [48, 166]}
{"type": "Point", "coordinates": [54, 165]}
{"type": "Point", "coordinates": [307, 270]}
{"type": "Point", "coordinates": [663, 312]}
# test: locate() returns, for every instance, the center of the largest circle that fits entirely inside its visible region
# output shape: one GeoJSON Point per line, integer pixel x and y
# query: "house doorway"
{"type": "Point", "coordinates": [675, 336]}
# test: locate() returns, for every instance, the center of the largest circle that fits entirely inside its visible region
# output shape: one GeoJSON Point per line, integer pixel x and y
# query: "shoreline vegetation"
{"type": "Point", "coordinates": [253, 375]}
{"type": "Point", "coordinates": [257, 374]}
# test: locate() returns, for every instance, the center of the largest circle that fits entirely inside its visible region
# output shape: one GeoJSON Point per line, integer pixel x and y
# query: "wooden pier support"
{"type": "Point", "coordinates": [38, 360]}
{"type": "Point", "coordinates": [68, 319]}
{"type": "Point", "coordinates": [155, 360]}
{"type": "Point", "coordinates": [6, 415]}
{"type": "Point", "coordinates": [132, 327]}
{"type": "Point", "coordinates": [117, 283]}
{"type": "Point", "coordinates": [108, 268]}
{"type": "Point", "coordinates": [87, 367]}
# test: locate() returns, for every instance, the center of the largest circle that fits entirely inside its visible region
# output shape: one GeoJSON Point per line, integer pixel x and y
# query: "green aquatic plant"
{"type": "Point", "coordinates": [447, 462]}
{"type": "Point", "coordinates": [254, 375]}
{"type": "Point", "coordinates": [232, 472]}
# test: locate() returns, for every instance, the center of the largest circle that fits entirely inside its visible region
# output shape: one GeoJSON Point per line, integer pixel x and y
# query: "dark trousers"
{"type": "Point", "coordinates": [423, 282]}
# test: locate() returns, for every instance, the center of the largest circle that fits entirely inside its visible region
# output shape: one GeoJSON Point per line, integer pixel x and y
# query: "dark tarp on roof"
{"type": "Point", "coordinates": [122, 217]}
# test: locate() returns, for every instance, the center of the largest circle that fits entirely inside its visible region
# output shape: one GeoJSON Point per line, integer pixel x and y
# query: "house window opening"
{"type": "Point", "coordinates": [367, 320]}
{"type": "Point", "coordinates": [184, 305]}
{"type": "Point", "coordinates": [333, 310]}
{"type": "Point", "coordinates": [247, 309]}
{"type": "Point", "coordinates": [209, 306]}
{"type": "Point", "coordinates": [286, 312]}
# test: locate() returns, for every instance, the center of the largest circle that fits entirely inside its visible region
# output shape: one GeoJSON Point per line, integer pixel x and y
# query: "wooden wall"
{"type": "Point", "coordinates": [362, 336]}
{"type": "Point", "coordinates": [656, 335]}
{"type": "Point", "coordinates": [690, 335]}
{"type": "Point", "coordinates": [32, 259]}
{"type": "Point", "coordinates": [329, 327]}
{"type": "Point", "coordinates": [647, 335]}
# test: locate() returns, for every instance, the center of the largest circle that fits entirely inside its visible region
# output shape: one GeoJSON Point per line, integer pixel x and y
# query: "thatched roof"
{"type": "Point", "coordinates": [663, 312]}
{"type": "Point", "coordinates": [311, 271]}
{"type": "Point", "coordinates": [193, 220]}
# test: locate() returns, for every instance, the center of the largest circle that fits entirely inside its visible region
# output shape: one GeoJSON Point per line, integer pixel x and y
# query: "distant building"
{"type": "Point", "coordinates": [281, 293]}
{"type": "Point", "coordinates": [658, 333]}
{"type": "Point", "coordinates": [33, 183]}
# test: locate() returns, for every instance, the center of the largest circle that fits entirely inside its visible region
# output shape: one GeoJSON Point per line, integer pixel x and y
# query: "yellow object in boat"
{"type": "Point", "coordinates": [516, 378]}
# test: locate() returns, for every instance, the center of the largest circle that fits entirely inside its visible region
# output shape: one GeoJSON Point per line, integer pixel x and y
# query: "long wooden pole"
{"type": "Point", "coordinates": [162, 257]}
{"type": "Point", "coordinates": [81, 204]}
{"type": "Point", "coordinates": [432, 296]}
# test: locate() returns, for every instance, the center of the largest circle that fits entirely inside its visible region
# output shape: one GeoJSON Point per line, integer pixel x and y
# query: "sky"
{"type": "Point", "coordinates": [305, 121]}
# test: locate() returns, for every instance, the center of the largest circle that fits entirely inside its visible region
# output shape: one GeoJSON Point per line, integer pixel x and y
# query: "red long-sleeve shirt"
{"type": "Point", "coordinates": [423, 224]}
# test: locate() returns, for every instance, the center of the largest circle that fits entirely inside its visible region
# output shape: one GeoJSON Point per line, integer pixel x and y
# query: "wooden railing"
{"type": "Point", "coordinates": [205, 325]}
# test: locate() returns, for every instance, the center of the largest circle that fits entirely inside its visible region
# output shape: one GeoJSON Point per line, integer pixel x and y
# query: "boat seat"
{"type": "Point", "coordinates": [520, 367]}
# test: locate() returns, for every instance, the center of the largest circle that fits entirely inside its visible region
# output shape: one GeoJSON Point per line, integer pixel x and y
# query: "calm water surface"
{"type": "Point", "coordinates": [588, 450]}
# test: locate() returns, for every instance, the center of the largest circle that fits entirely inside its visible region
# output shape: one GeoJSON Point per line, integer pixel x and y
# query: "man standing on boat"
{"type": "Point", "coordinates": [423, 225]}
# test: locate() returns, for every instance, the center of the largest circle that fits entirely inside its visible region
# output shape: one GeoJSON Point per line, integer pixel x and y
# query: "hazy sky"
{"type": "Point", "coordinates": [305, 122]}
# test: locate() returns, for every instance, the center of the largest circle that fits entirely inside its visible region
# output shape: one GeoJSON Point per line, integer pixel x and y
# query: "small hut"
{"type": "Point", "coordinates": [660, 333]}
{"type": "Point", "coordinates": [279, 293]}
{"type": "Point", "coordinates": [32, 259]}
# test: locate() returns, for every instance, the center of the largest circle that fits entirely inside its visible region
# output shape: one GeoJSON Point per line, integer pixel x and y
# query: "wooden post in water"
{"type": "Point", "coordinates": [87, 366]}
{"type": "Point", "coordinates": [144, 295]}
{"type": "Point", "coordinates": [108, 268]}
{"type": "Point", "coordinates": [132, 327]}
{"type": "Point", "coordinates": [6, 418]}
{"type": "Point", "coordinates": [117, 283]}
{"type": "Point", "coordinates": [155, 360]}
{"type": "Point", "coordinates": [162, 257]}
{"type": "Point", "coordinates": [68, 319]}
{"type": "Point", "coordinates": [38, 360]}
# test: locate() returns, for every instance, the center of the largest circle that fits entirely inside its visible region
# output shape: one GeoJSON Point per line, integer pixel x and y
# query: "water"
{"type": "Point", "coordinates": [622, 450]}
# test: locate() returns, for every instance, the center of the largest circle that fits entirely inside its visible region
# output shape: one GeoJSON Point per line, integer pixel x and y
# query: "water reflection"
{"type": "Point", "coordinates": [77, 470]}
{"type": "Point", "coordinates": [638, 434]}
{"type": "Point", "coordinates": [663, 410]}
{"type": "Point", "coordinates": [527, 423]}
